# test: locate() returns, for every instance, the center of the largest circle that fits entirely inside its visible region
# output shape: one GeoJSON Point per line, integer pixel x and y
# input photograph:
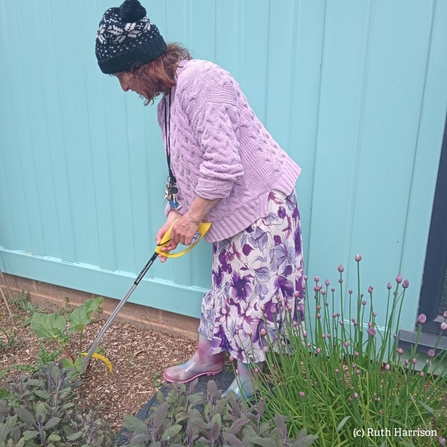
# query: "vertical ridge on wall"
{"type": "Point", "coordinates": [417, 133]}
{"type": "Point", "coordinates": [350, 249]}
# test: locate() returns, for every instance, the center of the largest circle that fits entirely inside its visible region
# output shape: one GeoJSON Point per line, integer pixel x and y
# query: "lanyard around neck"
{"type": "Point", "coordinates": [172, 178]}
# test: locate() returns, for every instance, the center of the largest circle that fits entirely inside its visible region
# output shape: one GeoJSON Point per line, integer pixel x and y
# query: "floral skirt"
{"type": "Point", "coordinates": [257, 283]}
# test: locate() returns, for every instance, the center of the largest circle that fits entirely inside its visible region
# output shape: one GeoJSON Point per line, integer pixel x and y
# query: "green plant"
{"type": "Point", "coordinates": [346, 379]}
{"type": "Point", "coordinates": [39, 411]}
{"type": "Point", "coordinates": [184, 418]}
{"type": "Point", "coordinates": [3, 391]}
{"type": "Point", "coordinates": [156, 377]}
{"type": "Point", "coordinates": [22, 302]}
{"type": "Point", "coordinates": [10, 340]}
{"type": "Point", "coordinates": [54, 327]}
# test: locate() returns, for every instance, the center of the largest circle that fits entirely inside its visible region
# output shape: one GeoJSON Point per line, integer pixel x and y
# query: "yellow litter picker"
{"type": "Point", "coordinates": [203, 228]}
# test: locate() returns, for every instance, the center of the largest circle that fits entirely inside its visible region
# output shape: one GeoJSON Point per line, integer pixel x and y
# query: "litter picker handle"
{"type": "Point", "coordinates": [202, 230]}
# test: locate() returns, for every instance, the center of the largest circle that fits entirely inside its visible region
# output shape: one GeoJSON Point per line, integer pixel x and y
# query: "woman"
{"type": "Point", "coordinates": [224, 168]}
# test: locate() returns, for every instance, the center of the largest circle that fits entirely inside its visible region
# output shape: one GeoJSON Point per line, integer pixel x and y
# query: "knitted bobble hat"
{"type": "Point", "coordinates": [127, 37]}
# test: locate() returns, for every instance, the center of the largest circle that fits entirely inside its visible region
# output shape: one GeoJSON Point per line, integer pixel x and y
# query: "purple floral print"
{"type": "Point", "coordinates": [257, 283]}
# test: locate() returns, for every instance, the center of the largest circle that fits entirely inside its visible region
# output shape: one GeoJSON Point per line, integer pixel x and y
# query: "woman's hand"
{"type": "Point", "coordinates": [172, 217]}
{"type": "Point", "coordinates": [186, 227]}
{"type": "Point", "coordinates": [184, 230]}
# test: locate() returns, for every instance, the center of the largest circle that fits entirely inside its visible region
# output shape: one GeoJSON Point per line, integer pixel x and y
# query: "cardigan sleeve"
{"type": "Point", "coordinates": [216, 129]}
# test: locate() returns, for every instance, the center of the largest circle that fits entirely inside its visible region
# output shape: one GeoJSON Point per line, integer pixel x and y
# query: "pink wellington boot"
{"type": "Point", "coordinates": [200, 364]}
{"type": "Point", "coordinates": [242, 384]}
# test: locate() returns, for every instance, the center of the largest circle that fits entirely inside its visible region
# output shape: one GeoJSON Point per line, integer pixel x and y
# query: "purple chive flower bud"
{"type": "Point", "coordinates": [318, 307]}
{"type": "Point", "coordinates": [356, 396]}
{"type": "Point", "coordinates": [231, 358]}
{"type": "Point", "coordinates": [374, 314]}
{"type": "Point", "coordinates": [387, 367]}
{"type": "Point", "coordinates": [340, 268]}
{"type": "Point", "coordinates": [358, 372]}
{"type": "Point", "coordinates": [377, 399]}
{"type": "Point", "coordinates": [350, 399]}
{"type": "Point", "coordinates": [346, 344]}
{"type": "Point", "coordinates": [327, 282]}
{"type": "Point", "coordinates": [302, 393]}
{"type": "Point", "coordinates": [399, 279]}
{"type": "Point", "coordinates": [340, 281]}
{"type": "Point", "coordinates": [370, 289]}
{"type": "Point", "coordinates": [328, 335]}
{"type": "Point", "coordinates": [364, 303]}
{"type": "Point", "coordinates": [318, 315]}
{"type": "Point", "coordinates": [350, 292]}
{"type": "Point", "coordinates": [326, 304]}
{"type": "Point", "coordinates": [445, 314]}
{"type": "Point", "coordinates": [323, 336]}
{"type": "Point", "coordinates": [444, 326]}
{"type": "Point", "coordinates": [371, 332]}
{"type": "Point", "coordinates": [414, 361]}
{"type": "Point", "coordinates": [334, 315]}
{"type": "Point", "coordinates": [323, 292]}
{"type": "Point", "coordinates": [263, 332]}
{"type": "Point", "coordinates": [333, 290]}
{"type": "Point", "coordinates": [318, 351]}
{"type": "Point", "coordinates": [337, 371]}
{"type": "Point", "coordinates": [421, 373]}
{"type": "Point", "coordinates": [400, 351]}
{"type": "Point", "coordinates": [317, 279]}
{"type": "Point", "coordinates": [431, 353]}
{"type": "Point", "coordinates": [304, 334]}
{"type": "Point", "coordinates": [356, 354]}
{"type": "Point", "coordinates": [395, 336]}
{"type": "Point", "coordinates": [266, 349]}
{"type": "Point", "coordinates": [406, 284]}
{"type": "Point", "coordinates": [341, 323]}
{"type": "Point", "coordinates": [358, 257]}
{"type": "Point", "coordinates": [273, 309]}
{"type": "Point", "coordinates": [422, 318]}
{"type": "Point", "coordinates": [407, 362]}
{"type": "Point", "coordinates": [389, 286]}
{"type": "Point", "coordinates": [309, 345]}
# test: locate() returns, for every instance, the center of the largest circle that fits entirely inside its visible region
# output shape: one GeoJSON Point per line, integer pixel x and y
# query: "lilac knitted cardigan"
{"type": "Point", "coordinates": [220, 149]}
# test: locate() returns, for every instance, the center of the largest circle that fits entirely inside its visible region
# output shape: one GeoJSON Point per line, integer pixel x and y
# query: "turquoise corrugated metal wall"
{"type": "Point", "coordinates": [354, 90]}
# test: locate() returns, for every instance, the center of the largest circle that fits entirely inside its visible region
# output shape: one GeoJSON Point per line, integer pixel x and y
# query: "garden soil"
{"type": "Point", "coordinates": [138, 356]}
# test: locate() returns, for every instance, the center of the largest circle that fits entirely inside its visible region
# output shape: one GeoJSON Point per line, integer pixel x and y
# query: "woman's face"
{"type": "Point", "coordinates": [126, 80]}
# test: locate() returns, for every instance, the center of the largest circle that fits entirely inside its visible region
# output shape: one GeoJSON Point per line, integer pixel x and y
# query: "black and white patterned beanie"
{"type": "Point", "coordinates": [126, 37]}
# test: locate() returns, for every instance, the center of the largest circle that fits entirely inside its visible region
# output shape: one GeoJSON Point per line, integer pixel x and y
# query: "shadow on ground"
{"type": "Point", "coordinates": [223, 381]}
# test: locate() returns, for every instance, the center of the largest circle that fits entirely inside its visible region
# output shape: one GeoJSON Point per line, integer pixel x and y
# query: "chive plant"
{"type": "Point", "coordinates": [346, 379]}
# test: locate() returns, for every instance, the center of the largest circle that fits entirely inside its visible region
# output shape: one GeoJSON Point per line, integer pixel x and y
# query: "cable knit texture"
{"type": "Point", "coordinates": [221, 150]}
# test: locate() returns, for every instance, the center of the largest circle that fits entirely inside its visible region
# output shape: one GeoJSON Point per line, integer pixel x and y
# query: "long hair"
{"type": "Point", "coordinates": [159, 76]}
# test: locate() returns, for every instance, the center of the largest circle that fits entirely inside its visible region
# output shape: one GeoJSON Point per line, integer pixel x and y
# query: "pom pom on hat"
{"type": "Point", "coordinates": [131, 11]}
